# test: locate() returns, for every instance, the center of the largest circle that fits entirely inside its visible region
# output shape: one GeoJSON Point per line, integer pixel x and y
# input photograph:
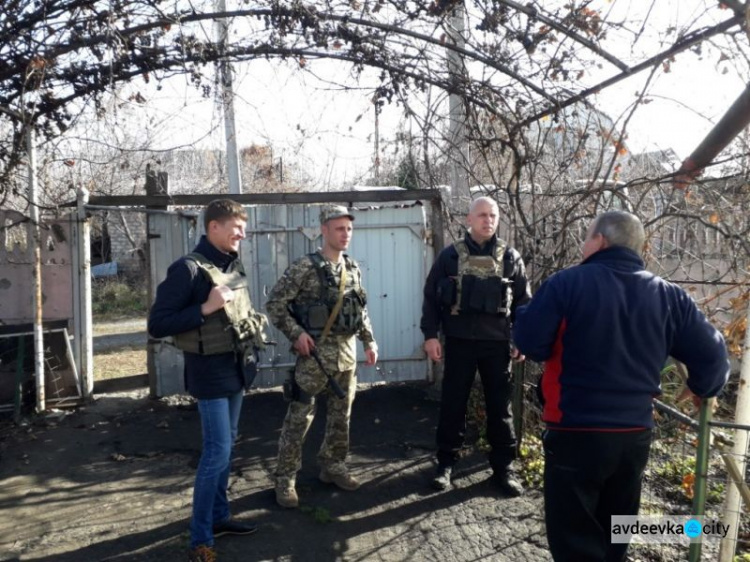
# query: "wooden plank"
{"type": "Point", "coordinates": [343, 197]}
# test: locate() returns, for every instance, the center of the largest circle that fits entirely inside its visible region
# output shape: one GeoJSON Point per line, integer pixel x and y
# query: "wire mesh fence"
{"type": "Point", "coordinates": [677, 482]}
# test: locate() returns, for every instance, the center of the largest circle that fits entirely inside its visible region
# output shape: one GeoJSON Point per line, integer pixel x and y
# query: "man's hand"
{"type": "Point", "coordinates": [433, 349]}
{"type": "Point", "coordinates": [219, 296]}
{"type": "Point", "coordinates": [304, 344]}
{"type": "Point", "coordinates": [371, 355]}
{"type": "Point", "coordinates": [688, 394]}
{"type": "Point", "coordinates": [516, 355]}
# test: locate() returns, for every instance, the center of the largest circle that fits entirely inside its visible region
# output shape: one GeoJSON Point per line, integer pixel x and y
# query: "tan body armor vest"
{"type": "Point", "coordinates": [236, 326]}
{"type": "Point", "coordinates": [487, 270]}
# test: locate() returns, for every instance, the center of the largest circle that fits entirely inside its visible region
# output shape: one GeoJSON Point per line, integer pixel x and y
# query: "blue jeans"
{"type": "Point", "coordinates": [219, 420]}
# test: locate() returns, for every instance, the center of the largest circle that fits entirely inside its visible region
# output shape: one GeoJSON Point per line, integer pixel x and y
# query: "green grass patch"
{"type": "Point", "coordinates": [319, 514]}
{"type": "Point", "coordinates": [113, 299]}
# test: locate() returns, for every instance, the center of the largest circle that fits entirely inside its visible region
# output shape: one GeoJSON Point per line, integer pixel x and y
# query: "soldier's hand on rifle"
{"type": "Point", "coordinates": [371, 355]}
{"type": "Point", "coordinates": [304, 344]}
{"type": "Point", "coordinates": [217, 298]}
{"type": "Point", "coordinates": [433, 349]}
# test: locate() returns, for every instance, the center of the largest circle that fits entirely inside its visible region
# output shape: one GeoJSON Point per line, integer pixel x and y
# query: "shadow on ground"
{"type": "Point", "coordinates": [112, 481]}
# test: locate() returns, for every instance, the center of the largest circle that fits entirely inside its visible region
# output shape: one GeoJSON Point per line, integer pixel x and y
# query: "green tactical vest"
{"type": "Point", "coordinates": [235, 327]}
{"type": "Point", "coordinates": [312, 316]}
{"type": "Point", "coordinates": [483, 268]}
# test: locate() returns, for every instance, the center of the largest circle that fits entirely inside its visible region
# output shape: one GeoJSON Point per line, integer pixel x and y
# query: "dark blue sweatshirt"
{"type": "Point", "coordinates": [605, 329]}
{"type": "Point", "coordinates": [177, 309]}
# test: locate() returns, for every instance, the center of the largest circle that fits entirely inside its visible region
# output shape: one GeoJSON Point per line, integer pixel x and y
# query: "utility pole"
{"type": "Point", "coordinates": [377, 143]}
{"type": "Point", "coordinates": [37, 275]}
{"type": "Point", "coordinates": [459, 151]}
{"type": "Point", "coordinates": [227, 99]}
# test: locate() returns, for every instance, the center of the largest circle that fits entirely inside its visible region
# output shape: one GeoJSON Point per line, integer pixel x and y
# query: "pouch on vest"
{"type": "Point", "coordinates": [317, 316]}
{"type": "Point", "coordinates": [249, 368]}
{"type": "Point", "coordinates": [468, 298]}
{"type": "Point", "coordinates": [361, 297]}
{"type": "Point", "coordinates": [446, 292]}
{"type": "Point", "coordinates": [488, 295]}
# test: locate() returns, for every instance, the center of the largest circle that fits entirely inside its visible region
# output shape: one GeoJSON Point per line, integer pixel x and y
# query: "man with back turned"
{"type": "Point", "coordinates": [604, 329]}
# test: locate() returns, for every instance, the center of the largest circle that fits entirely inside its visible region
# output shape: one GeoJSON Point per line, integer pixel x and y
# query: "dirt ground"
{"type": "Point", "coordinates": [112, 481]}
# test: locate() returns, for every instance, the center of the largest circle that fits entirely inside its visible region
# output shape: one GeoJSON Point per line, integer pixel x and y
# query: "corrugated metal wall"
{"type": "Point", "coordinates": [171, 235]}
{"type": "Point", "coordinates": [391, 244]}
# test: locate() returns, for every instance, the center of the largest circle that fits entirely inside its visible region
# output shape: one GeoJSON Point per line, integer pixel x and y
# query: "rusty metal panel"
{"type": "Point", "coordinates": [16, 269]}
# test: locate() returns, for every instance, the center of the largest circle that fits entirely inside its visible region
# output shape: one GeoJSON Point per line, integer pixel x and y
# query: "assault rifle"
{"type": "Point", "coordinates": [335, 386]}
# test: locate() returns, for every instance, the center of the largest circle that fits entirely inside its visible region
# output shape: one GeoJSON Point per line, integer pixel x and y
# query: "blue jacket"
{"type": "Point", "coordinates": [177, 309]}
{"type": "Point", "coordinates": [605, 329]}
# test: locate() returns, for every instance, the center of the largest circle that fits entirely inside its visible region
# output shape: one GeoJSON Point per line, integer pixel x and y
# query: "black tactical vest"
{"type": "Point", "coordinates": [480, 285]}
{"type": "Point", "coordinates": [313, 315]}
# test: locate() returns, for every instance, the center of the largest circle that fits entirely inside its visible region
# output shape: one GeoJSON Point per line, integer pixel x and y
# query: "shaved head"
{"type": "Point", "coordinates": [482, 219]}
{"type": "Point", "coordinates": [479, 201]}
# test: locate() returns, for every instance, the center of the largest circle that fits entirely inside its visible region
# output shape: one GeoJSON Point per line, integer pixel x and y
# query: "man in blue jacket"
{"type": "Point", "coordinates": [204, 304]}
{"type": "Point", "coordinates": [605, 329]}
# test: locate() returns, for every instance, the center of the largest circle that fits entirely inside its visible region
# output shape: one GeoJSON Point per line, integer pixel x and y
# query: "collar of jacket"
{"type": "Point", "coordinates": [475, 249]}
{"type": "Point", "coordinates": [616, 256]}
{"type": "Point", "coordinates": [214, 255]}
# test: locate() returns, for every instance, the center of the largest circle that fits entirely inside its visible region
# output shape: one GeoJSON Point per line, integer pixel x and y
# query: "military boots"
{"type": "Point", "coordinates": [286, 493]}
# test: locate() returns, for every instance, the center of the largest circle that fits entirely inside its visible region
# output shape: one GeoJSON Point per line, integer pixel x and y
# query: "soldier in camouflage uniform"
{"type": "Point", "coordinates": [319, 304]}
{"type": "Point", "coordinates": [471, 295]}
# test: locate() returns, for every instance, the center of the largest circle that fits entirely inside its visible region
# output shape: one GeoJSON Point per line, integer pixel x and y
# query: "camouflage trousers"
{"type": "Point", "coordinates": [332, 454]}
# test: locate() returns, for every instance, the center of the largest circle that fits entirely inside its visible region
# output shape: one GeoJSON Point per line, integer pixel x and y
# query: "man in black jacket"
{"type": "Point", "coordinates": [204, 303]}
{"type": "Point", "coordinates": [470, 296]}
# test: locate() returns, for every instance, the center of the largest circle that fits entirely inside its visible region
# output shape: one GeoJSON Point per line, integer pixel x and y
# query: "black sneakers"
{"type": "Point", "coordinates": [442, 478]}
{"type": "Point", "coordinates": [233, 527]}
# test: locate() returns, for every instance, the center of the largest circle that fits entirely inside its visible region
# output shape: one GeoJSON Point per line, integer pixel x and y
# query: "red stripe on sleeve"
{"type": "Point", "coordinates": [551, 380]}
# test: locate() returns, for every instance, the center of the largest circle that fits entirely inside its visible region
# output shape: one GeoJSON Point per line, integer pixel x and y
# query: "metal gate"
{"type": "Point", "coordinates": [392, 244]}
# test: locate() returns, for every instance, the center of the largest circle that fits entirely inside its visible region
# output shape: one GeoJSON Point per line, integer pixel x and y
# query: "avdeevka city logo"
{"type": "Point", "coordinates": [693, 528]}
{"type": "Point", "coordinates": [651, 529]}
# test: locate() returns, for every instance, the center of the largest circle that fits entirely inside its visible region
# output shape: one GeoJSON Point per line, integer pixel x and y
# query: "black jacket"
{"type": "Point", "coordinates": [471, 326]}
{"type": "Point", "coordinates": [177, 308]}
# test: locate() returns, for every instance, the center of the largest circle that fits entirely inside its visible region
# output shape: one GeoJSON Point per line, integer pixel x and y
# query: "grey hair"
{"type": "Point", "coordinates": [483, 199]}
{"type": "Point", "coordinates": [620, 228]}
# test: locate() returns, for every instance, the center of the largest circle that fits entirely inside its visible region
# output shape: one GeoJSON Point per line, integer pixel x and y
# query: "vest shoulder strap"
{"type": "Point", "coordinates": [318, 264]}
{"type": "Point", "coordinates": [210, 270]}
{"type": "Point", "coordinates": [199, 258]}
{"type": "Point", "coordinates": [499, 252]}
{"type": "Point", "coordinates": [205, 265]}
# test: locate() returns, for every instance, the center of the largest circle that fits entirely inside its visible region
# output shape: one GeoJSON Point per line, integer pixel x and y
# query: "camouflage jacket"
{"type": "Point", "coordinates": [301, 284]}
